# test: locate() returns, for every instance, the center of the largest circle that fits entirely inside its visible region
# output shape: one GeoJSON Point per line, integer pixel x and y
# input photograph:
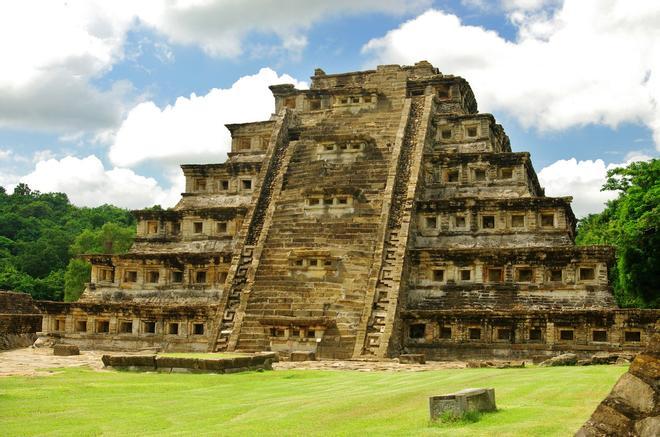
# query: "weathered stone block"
{"type": "Point", "coordinates": [215, 365]}
{"type": "Point", "coordinates": [65, 350]}
{"type": "Point", "coordinates": [605, 421]}
{"type": "Point", "coordinates": [171, 363]}
{"type": "Point", "coordinates": [649, 427]}
{"type": "Point", "coordinates": [464, 401]}
{"type": "Point", "coordinates": [560, 360]}
{"type": "Point", "coordinates": [241, 362]}
{"type": "Point", "coordinates": [140, 362]}
{"type": "Point", "coordinates": [646, 365]}
{"type": "Point", "coordinates": [635, 392]}
{"type": "Point", "coordinates": [303, 356]}
{"type": "Point", "coordinates": [412, 359]}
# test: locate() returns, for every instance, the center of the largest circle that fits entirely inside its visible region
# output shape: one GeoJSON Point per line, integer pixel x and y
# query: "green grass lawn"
{"type": "Point", "coordinates": [531, 401]}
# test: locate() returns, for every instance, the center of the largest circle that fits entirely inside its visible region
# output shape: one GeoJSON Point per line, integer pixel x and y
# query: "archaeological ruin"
{"type": "Point", "coordinates": [375, 213]}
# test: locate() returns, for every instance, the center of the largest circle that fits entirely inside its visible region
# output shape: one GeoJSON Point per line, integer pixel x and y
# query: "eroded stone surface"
{"type": "Point", "coordinates": [560, 360]}
{"type": "Point", "coordinates": [633, 406]}
{"type": "Point", "coordinates": [462, 402]}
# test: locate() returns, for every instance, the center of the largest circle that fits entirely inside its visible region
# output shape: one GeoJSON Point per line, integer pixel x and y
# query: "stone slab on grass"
{"type": "Point", "coordinates": [65, 350]}
{"type": "Point", "coordinates": [169, 364]}
{"type": "Point", "coordinates": [462, 402]}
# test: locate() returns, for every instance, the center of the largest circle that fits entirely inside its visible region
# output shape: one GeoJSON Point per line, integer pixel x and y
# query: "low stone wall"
{"type": "Point", "coordinates": [20, 320]}
{"type": "Point", "coordinates": [524, 334]}
{"type": "Point", "coordinates": [158, 363]}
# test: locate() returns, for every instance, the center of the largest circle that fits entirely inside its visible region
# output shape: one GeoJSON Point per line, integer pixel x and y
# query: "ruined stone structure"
{"type": "Point", "coordinates": [375, 212]}
{"type": "Point", "coordinates": [20, 320]}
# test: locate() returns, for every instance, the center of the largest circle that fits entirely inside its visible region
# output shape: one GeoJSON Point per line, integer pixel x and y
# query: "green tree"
{"type": "Point", "coordinates": [630, 223]}
{"type": "Point", "coordinates": [77, 274]}
{"type": "Point", "coordinates": [37, 231]}
{"type": "Point", "coordinates": [112, 238]}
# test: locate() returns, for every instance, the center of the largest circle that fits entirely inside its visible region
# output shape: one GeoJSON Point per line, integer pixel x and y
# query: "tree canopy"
{"type": "Point", "coordinates": [630, 223]}
{"type": "Point", "coordinates": [41, 233]}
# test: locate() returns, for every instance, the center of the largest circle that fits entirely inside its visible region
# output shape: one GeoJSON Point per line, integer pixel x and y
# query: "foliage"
{"type": "Point", "coordinates": [534, 401]}
{"type": "Point", "coordinates": [77, 274]}
{"type": "Point", "coordinates": [41, 233]}
{"type": "Point", "coordinates": [630, 223]}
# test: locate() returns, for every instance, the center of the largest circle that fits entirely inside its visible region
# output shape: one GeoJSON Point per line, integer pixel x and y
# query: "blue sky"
{"type": "Point", "coordinates": [103, 100]}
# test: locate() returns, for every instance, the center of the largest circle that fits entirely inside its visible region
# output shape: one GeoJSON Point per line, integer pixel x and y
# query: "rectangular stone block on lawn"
{"type": "Point", "coordinates": [461, 402]}
{"type": "Point", "coordinates": [65, 350]}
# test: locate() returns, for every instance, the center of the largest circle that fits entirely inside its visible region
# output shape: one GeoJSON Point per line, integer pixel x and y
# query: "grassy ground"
{"type": "Point", "coordinates": [531, 402]}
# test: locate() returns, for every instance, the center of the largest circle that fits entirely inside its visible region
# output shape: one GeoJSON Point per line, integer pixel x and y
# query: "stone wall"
{"type": "Point", "coordinates": [474, 334]}
{"type": "Point", "coordinates": [19, 320]}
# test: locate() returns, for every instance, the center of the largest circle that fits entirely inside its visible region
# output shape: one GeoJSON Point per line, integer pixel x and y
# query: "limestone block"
{"type": "Point", "coordinates": [605, 421]}
{"type": "Point", "coordinates": [172, 363]}
{"type": "Point", "coordinates": [649, 427]}
{"type": "Point", "coordinates": [646, 365]}
{"type": "Point", "coordinates": [560, 360]}
{"type": "Point", "coordinates": [412, 359]}
{"type": "Point", "coordinates": [464, 401]}
{"type": "Point", "coordinates": [139, 362]}
{"type": "Point", "coordinates": [604, 358]}
{"type": "Point", "coordinates": [215, 365]}
{"type": "Point", "coordinates": [64, 350]}
{"type": "Point", "coordinates": [635, 392]}
{"type": "Point", "coordinates": [303, 356]}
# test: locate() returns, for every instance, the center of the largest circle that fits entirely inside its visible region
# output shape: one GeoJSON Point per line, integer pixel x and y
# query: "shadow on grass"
{"type": "Point", "coordinates": [450, 419]}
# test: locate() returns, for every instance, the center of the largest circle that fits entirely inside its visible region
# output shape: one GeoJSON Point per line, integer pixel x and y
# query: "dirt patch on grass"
{"type": "Point", "coordinates": [36, 362]}
{"type": "Point", "coordinates": [39, 362]}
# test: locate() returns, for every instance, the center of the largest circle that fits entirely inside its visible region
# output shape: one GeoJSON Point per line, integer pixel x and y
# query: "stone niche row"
{"type": "Point", "coordinates": [242, 184]}
{"type": "Point", "coordinates": [475, 174]}
{"type": "Point", "coordinates": [124, 326]}
{"type": "Point", "coordinates": [157, 276]}
{"type": "Point", "coordinates": [188, 227]}
{"type": "Point", "coordinates": [588, 273]}
{"type": "Point", "coordinates": [491, 221]}
{"type": "Point", "coordinates": [424, 332]}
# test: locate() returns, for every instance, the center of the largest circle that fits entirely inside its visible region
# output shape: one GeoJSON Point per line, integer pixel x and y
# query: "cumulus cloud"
{"type": "Point", "coordinates": [220, 27]}
{"type": "Point", "coordinates": [582, 180]}
{"type": "Point", "coordinates": [589, 61]}
{"type": "Point", "coordinates": [192, 129]}
{"type": "Point", "coordinates": [88, 183]}
{"type": "Point", "coordinates": [53, 51]}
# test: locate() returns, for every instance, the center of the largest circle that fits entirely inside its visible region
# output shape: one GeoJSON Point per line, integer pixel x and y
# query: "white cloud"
{"type": "Point", "coordinates": [589, 61]}
{"type": "Point", "coordinates": [5, 154]}
{"type": "Point", "coordinates": [582, 180]}
{"type": "Point", "coordinates": [53, 50]}
{"type": "Point", "coordinates": [42, 155]}
{"type": "Point", "coordinates": [88, 183]}
{"type": "Point", "coordinates": [192, 129]}
{"type": "Point", "coordinates": [50, 52]}
{"type": "Point", "coordinates": [220, 27]}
